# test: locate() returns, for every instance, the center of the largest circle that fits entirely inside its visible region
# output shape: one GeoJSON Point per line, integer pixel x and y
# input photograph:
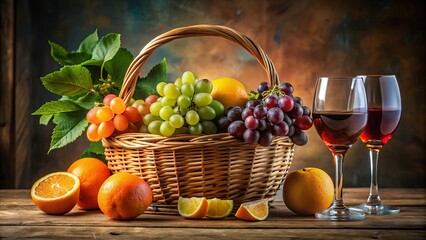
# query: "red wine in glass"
{"type": "Point", "coordinates": [339, 128]}
{"type": "Point", "coordinates": [340, 116]}
{"type": "Point", "coordinates": [381, 124]}
{"type": "Point", "coordinates": [384, 114]}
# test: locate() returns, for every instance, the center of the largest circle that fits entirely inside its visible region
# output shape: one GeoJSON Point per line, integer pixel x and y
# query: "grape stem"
{"type": "Point", "coordinates": [274, 90]}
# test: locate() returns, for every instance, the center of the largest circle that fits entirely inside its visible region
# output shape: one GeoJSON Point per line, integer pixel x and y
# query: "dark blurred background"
{"type": "Point", "coordinates": [305, 39]}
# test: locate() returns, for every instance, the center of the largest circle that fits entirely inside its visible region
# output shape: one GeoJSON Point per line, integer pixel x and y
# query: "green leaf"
{"type": "Point", "coordinates": [69, 126]}
{"type": "Point", "coordinates": [45, 119]}
{"type": "Point", "coordinates": [88, 101]}
{"type": "Point", "coordinates": [56, 107]}
{"type": "Point", "coordinates": [146, 86]}
{"type": "Point", "coordinates": [92, 62]}
{"type": "Point", "coordinates": [74, 58]}
{"type": "Point", "coordinates": [65, 58]}
{"type": "Point", "coordinates": [89, 43]}
{"type": "Point", "coordinates": [107, 47]}
{"type": "Point", "coordinates": [118, 65]}
{"type": "Point", "coordinates": [69, 81]}
{"type": "Point", "coordinates": [58, 52]}
{"type": "Point", "coordinates": [95, 150]}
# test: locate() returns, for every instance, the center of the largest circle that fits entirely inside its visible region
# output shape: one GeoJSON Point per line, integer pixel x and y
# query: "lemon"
{"type": "Point", "coordinates": [230, 92]}
{"type": "Point", "coordinates": [219, 208]}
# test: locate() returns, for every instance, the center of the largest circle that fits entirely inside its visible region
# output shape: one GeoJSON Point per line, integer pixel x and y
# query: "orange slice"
{"type": "Point", "coordinates": [253, 211]}
{"type": "Point", "coordinates": [194, 207]}
{"type": "Point", "coordinates": [219, 208]}
{"type": "Point", "coordinates": [56, 193]}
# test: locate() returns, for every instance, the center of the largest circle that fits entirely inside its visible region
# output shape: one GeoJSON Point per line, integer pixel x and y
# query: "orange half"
{"type": "Point", "coordinates": [253, 211]}
{"type": "Point", "coordinates": [56, 193]}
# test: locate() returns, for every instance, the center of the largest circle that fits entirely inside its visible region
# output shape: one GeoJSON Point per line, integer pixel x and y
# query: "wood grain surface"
{"type": "Point", "coordinates": [20, 218]}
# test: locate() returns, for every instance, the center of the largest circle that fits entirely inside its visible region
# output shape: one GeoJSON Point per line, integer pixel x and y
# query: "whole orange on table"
{"type": "Point", "coordinates": [308, 191]}
{"type": "Point", "coordinates": [92, 173]}
{"type": "Point", "coordinates": [124, 196]}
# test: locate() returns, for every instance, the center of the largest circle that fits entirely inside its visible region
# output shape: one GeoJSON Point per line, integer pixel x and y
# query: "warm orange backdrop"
{"type": "Point", "coordinates": [305, 39]}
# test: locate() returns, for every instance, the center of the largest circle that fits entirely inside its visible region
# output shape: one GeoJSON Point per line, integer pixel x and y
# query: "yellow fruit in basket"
{"type": "Point", "coordinates": [229, 91]}
{"type": "Point", "coordinates": [92, 173]}
{"type": "Point", "coordinates": [194, 207]}
{"type": "Point", "coordinates": [308, 191]}
{"type": "Point", "coordinates": [253, 211]}
{"type": "Point", "coordinates": [56, 193]}
{"type": "Point", "coordinates": [124, 196]}
{"type": "Point", "coordinates": [219, 208]}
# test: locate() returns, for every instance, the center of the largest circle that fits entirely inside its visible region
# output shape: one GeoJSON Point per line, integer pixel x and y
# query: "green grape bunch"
{"type": "Point", "coordinates": [185, 106]}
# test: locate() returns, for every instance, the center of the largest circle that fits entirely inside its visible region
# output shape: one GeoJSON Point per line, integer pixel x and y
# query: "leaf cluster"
{"type": "Point", "coordinates": [75, 84]}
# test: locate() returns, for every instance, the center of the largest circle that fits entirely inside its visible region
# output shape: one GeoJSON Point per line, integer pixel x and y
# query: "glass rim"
{"type": "Point", "coordinates": [376, 75]}
{"type": "Point", "coordinates": [342, 77]}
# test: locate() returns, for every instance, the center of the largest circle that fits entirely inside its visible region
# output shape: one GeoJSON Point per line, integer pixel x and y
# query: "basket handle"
{"type": "Point", "coordinates": [131, 77]}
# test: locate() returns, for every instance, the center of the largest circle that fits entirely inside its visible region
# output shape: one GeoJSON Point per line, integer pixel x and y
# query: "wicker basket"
{"type": "Point", "coordinates": [216, 165]}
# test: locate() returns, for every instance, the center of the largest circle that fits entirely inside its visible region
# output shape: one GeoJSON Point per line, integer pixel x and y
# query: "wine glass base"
{"type": "Point", "coordinates": [340, 214]}
{"type": "Point", "coordinates": [376, 210]}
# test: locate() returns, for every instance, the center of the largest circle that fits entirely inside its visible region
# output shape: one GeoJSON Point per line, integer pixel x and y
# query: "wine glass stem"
{"type": "Point", "coordinates": [373, 198]}
{"type": "Point", "coordinates": [338, 194]}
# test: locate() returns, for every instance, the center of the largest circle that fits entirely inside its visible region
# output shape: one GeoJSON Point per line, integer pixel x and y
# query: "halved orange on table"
{"type": "Point", "coordinates": [219, 208]}
{"type": "Point", "coordinates": [194, 207]}
{"type": "Point", "coordinates": [56, 193]}
{"type": "Point", "coordinates": [253, 211]}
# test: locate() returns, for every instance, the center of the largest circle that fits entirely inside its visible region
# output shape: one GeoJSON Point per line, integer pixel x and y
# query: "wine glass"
{"type": "Point", "coordinates": [384, 114]}
{"type": "Point", "coordinates": [340, 116]}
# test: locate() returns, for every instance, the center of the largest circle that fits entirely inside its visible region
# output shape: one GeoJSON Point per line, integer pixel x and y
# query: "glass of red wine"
{"type": "Point", "coordinates": [340, 116]}
{"type": "Point", "coordinates": [384, 113]}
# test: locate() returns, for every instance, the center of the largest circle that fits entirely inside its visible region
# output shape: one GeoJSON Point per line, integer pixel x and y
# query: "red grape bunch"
{"type": "Point", "coordinates": [275, 113]}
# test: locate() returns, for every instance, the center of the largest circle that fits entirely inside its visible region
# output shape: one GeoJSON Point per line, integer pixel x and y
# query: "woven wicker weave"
{"type": "Point", "coordinates": [216, 165]}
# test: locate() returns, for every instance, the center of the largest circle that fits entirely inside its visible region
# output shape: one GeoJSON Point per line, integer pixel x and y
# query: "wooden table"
{"type": "Point", "coordinates": [20, 218]}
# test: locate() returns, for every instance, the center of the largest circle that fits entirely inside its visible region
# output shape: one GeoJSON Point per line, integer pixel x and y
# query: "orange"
{"type": "Point", "coordinates": [253, 211]}
{"type": "Point", "coordinates": [230, 92]}
{"type": "Point", "coordinates": [56, 193]}
{"type": "Point", "coordinates": [308, 191]}
{"type": "Point", "coordinates": [92, 173]}
{"type": "Point", "coordinates": [219, 208]}
{"type": "Point", "coordinates": [194, 207]}
{"type": "Point", "coordinates": [124, 196]}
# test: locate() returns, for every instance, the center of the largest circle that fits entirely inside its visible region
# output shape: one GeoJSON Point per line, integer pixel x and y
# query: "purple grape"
{"type": "Point", "coordinates": [251, 136]}
{"type": "Point", "coordinates": [286, 88]}
{"type": "Point", "coordinates": [260, 112]}
{"type": "Point", "coordinates": [281, 129]}
{"type": "Point", "coordinates": [303, 122]}
{"type": "Point", "coordinates": [291, 130]}
{"type": "Point", "coordinates": [234, 114]}
{"type": "Point", "coordinates": [246, 112]}
{"type": "Point", "coordinates": [263, 86]}
{"type": "Point", "coordinates": [285, 103]}
{"type": "Point", "coordinates": [298, 100]}
{"type": "Point", "coordinates": [296, 111]}
{"type": "Point", "coordinates": [265, 138]}
{"type": "Point", "coordinates": [262, 125]}
{"type": "Point", "coordinates": [253, 103]}
{"type": "Point", "coordinates": [223, 124]}
{"type": "Point", "coordinates": [288, 120]}
{"type": "Point", "coordinates": [237, 129]}
{"type": "Point", "coordinates": [271, 101]}
{"type": "Point", "coordinates": [251, 122]}
{"type": "Point", "coordinates": [306, 111]}
{"type": "Point", "coordinates": [275, 115]}
{"type": "Point", "coordinates": [299, 138]}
